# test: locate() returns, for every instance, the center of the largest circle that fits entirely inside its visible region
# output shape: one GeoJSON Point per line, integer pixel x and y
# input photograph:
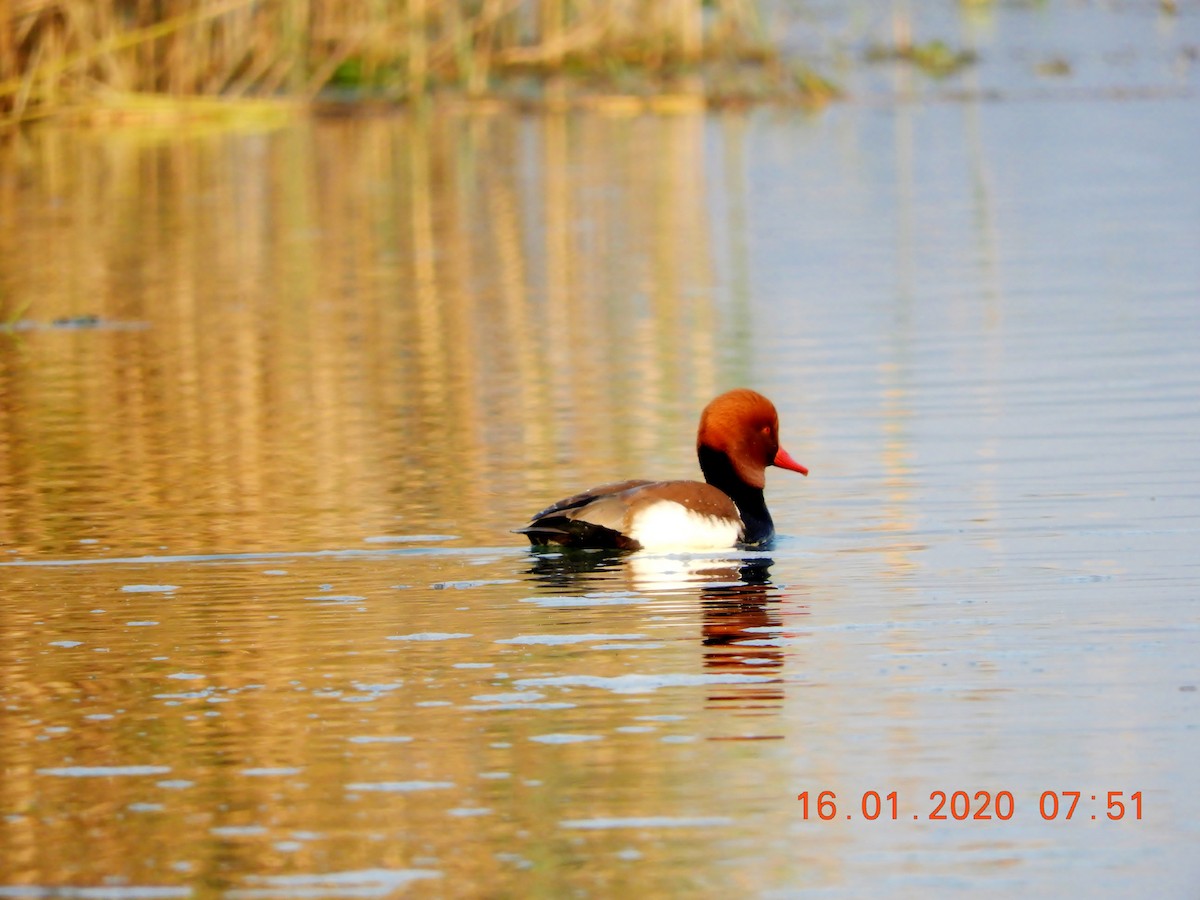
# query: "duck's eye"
{"type": "Point", "coordinates": [770, 442]}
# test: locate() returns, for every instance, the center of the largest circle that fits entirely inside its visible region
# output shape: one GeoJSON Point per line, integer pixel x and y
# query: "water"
{"type": "Point", "coordinates": [266, 632]}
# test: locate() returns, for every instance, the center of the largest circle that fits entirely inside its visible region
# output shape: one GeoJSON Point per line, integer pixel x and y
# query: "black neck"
{"type": "Point", "coordinates": [720, 473]}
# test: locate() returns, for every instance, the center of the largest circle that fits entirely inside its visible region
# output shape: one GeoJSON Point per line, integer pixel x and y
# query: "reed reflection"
{"type": "Point", "coordinates": [386, 317]}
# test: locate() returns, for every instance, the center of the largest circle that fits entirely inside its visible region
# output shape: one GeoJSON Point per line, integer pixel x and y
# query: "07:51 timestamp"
{"type": "Point", "coordinates": [963, 805]}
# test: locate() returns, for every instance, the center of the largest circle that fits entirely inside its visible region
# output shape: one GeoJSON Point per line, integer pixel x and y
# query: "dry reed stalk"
{"type": "Point", "coordinates": [8, 60]}
{"type": "Point", "coordinates": [689, 23]}
{"type": "Point", "coordinates": [418, 49]}
{"type": "Point", "coordinates": [62, 63]}
{"type": "Point", "coordinates": [552, 24]}
{"type": "Point", "coordinates": [296, 16]}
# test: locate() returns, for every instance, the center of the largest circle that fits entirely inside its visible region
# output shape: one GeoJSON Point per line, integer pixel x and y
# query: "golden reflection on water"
{"type": "Point", "coordinates": [360, 334]}
{"type": "Point", "coordinates": [338, 715]}
{"type": "Point", "coordinates": [412, 318]}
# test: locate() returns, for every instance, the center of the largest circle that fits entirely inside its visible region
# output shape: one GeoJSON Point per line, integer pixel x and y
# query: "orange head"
{"type": "Point", "coordinates": [744, 425]}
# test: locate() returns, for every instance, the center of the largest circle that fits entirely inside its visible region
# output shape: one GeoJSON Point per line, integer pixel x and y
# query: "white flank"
{"type": "Point", "coordinates": [666, 525]}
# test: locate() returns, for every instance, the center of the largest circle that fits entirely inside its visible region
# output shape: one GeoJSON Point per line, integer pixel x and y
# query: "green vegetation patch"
{"type": "Point", "coordinates": [935, 58]}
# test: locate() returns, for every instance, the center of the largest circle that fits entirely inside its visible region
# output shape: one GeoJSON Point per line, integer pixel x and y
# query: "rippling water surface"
{"type": "Point", "coordinates": [270, 404]}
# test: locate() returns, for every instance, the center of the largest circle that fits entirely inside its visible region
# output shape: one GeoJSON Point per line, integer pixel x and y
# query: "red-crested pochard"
{"type": "Point", "coordinates": [738, 438]}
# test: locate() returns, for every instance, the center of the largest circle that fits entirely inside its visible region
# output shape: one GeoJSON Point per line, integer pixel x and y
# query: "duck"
{"type": "Point", "coordinates": [737, 439]}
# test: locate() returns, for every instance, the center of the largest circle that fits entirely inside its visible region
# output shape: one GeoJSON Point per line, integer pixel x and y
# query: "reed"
{"type": "Point", "coordinates": [58, 55]}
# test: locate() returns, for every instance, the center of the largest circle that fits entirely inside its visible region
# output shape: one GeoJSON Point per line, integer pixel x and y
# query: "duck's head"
{"type": "Point", "coordinates": [743, 425]}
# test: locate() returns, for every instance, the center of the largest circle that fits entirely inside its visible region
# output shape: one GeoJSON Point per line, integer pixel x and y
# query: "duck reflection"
{"type": "Point", "coordinates": [742, 617]}
{"type": "Point", "coordinates": [741, 626]}
{"type": "Point", "coordinates": [568, 571]}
